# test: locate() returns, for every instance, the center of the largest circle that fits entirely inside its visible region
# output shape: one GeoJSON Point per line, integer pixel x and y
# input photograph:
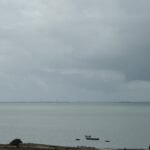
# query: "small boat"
{"type": "Point", "coordinates": [77, 139]}
{"type": "Point", "coordinates": [107, 141]}
{"type": "Point", "coordinates": [89, 137]}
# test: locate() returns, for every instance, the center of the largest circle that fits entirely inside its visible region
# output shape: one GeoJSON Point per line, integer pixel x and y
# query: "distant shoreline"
{"type": "Point", "coordinates": [31, 146]}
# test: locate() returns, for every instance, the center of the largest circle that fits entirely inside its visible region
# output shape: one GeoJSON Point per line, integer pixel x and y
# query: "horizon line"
{"type": "Point", "coordinates": [74, 101]}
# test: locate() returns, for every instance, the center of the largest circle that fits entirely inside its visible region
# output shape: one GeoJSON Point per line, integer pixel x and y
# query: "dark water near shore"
{"type": "Point", "coordinates": [124, 124]}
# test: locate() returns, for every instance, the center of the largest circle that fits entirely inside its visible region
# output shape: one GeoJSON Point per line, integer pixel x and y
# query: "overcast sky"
{"type": "Point", "coordinates": [75, 50]}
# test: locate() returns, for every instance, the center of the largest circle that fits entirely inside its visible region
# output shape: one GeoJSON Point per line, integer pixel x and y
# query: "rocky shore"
{"type": "Point", "coordinates": [30, 146]}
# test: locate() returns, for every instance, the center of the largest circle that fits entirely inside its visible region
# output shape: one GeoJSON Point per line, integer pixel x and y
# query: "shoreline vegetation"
{"type": "Point", "coordinates": [31, 146]}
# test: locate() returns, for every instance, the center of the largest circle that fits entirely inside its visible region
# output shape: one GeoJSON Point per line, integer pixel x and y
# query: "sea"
{"type": "Point", "coordinates": [116, 124]}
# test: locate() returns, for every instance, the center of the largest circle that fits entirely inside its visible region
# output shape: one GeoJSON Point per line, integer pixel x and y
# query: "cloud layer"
{"type": "Point", "coordinates": [74, 50]}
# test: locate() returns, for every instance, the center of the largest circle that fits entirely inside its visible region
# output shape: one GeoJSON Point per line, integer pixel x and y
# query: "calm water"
{"type": "Point", "coordinates": [125, 125]}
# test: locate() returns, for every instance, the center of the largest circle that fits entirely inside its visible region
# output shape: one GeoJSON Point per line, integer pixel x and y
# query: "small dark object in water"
{"type": "Point", "coordinates": [16, 142]}
{"type": "Point", "coordinates": [92, 138]}
{"type": "Point", "coordinates": [107, 141]}
{"type": "Point", "coordinates": [77, 139]}
{"type": "Point", "coordinates": [89, 137]}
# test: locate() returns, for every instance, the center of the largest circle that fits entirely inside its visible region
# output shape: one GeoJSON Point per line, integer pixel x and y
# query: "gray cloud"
{"type": "Point", "coordinates": [76, 50]}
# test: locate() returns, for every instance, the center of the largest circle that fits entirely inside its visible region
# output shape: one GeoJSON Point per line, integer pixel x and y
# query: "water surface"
{"type": "Point", "coordinates": [124, 124]}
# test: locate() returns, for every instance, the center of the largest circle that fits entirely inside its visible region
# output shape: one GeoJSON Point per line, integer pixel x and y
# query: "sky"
{"type": "Point", "coordinates": [74, 50]}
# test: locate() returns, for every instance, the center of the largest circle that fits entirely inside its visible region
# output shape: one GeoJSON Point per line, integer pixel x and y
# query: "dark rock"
{"type": "Point", "coordinates": [16, 142]}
